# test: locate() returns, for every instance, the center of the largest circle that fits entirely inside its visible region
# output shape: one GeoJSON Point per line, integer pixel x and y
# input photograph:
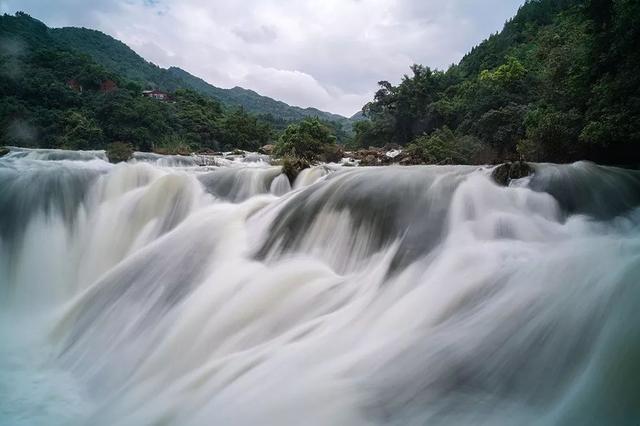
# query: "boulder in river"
{"type": "Point", "coordinates": [371, 157]}
{"type": "Point", "coordinates": [292, 167]}
{"type": "Point", "coordinates": [267, 149]}
{"type": "Point", "coordinates": [504, 173]}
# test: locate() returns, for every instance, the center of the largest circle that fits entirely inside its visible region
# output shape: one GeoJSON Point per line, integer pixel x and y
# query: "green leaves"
{"type": "Point", "coordinates": [445, 147]}
{"type": "Point", "coordinates": [561, 82]}
{"type": "Point", "coordinates": [506, 74]}
{"type": "Point", "coordinates": [80, 131]}
{"type": "Point", "coordinates": [52, 96]}
{"type": "Point", "coordinates": [305, 140]}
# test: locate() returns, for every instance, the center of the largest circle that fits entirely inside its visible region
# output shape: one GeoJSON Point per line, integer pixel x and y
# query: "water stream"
{"type": "Point", "coordinates": [160, 292]}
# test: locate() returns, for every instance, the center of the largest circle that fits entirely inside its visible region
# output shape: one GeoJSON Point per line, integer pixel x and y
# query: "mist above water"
{"type": "Point", "coordinates": [160, 292]}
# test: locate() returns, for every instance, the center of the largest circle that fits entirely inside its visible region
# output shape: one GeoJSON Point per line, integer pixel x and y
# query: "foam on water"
{"type": "Point", "coordinates": [158, 292]}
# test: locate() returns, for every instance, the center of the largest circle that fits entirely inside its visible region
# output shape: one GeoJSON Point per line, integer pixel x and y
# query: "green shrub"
{"type": "Point", "coordinates": [172, 145]}
{"type": "Point", "coordinates": [306, 140]}
{"type": "Point", "coordinates": [119, 151]}
{"type": "Point", "coordinates": [444, 147]}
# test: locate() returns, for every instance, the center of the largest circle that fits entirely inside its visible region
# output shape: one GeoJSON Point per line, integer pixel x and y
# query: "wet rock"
{"type": "Point", "coordinates": [369, 160]}
{"type": "Point", "coordinates": [331, 154]}
{"type": "Point", "coordinates": [504, 173]}
{"type": "Point", "coordinates": [267, 149]}
{"type": "Point", "coordinates": [371, 157]}
{"type": "Point", "coordinates": [4, 151]}
{"type": "Point", "coordinates": [292, 167]}
{"type": "Point", "coordinates": [208, 151]}
{"type": "Point", "coordinates": [408, 158]}
{"type": "Point", "coordinates": [392, 147]}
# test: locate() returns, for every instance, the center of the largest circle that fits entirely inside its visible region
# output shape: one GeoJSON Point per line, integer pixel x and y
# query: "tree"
{"type": "Point", "coordinates": [244, 131]}
{"type": "Point", "coordinates": [306, 140]}
{"type": "Point", "coordinates": [80, 132]}
{"type": "Point", "coordinates": [444, 147]}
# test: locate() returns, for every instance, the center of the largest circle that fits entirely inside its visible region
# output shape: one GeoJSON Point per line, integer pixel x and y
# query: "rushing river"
{"type": "Point", "coordinates": [160, 292]}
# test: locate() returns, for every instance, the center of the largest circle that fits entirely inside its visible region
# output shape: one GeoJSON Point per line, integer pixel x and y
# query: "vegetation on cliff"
{"type": "Point", "coordinates": [560, 82]}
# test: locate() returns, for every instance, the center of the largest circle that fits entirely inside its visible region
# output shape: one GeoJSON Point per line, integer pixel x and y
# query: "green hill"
{"type": "Point", "coordinates": [560, 82]}
{"type": "Point", "coordinates": [252, 101]}
{"type": "Point", "coordinates": [116, 56]}
{"type": "Point", "coordinates": [53, 96]}
{"type": "Point", "coordinates": [119, 58]}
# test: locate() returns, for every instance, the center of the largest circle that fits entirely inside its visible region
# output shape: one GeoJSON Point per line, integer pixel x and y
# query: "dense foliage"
{"type": "Point", "coordinates": [269, 109]}
{"type": "Point", "coordinates": [561, 82]}
{"type": "Point", "coordinates": [51, 96]}
{"type": "Point", "coordinates": [117, 57]}
{"type": "Point", "coordinates": [308, 140]}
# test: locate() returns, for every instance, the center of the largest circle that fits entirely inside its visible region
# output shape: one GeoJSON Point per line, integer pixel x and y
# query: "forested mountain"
{"type": "Point", "coordinates": [119, 58]}
{"type": "Point", "coordinates": [116, 57]}
{"type": "Point", "coordinates": [560, 82]}
{"type": "Point", "coordinates": [55, 97]}
{"type": "Point", "coordinates": [252, 101]}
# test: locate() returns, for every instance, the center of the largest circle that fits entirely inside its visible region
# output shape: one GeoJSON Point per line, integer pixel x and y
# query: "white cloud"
{"type": "Point", "coordinates": [327, 54]}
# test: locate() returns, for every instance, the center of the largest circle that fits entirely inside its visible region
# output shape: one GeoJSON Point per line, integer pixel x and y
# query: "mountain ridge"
{"type": "Point", "coordinates": [248, 98]}
{"type": "Point", "coordinates": [118, 57]}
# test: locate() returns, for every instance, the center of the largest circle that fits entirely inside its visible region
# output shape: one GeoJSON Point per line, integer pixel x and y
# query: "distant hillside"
{"type": "Point", "coordinates": [116, 57]}
{"type": "Point", "coordinates": [358, 116]}
{"type": "Point", "coordinates": [119, 58]}
{"type": "Point", "coordinates": [250, 100]}
{"type": "Point", "coordinates": [52, 96]}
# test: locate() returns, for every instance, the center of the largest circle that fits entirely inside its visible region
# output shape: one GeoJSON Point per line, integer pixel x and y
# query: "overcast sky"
{"type": "Point", "coordinates": [328, 54]}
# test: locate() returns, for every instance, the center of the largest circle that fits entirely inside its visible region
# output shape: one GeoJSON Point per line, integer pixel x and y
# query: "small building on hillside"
{"type": "Point", "coordinates": [156, 94]}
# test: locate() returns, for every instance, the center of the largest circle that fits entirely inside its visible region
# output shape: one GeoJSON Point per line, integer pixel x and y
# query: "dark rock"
{"type": "Point", "coordinates": [371, 157]}
{"type": "Point", "coordinates": [369, 160]}
{"type": "Point", "coordinates": [267, 149]}
{"type": "Point", "coordinates": [391, 147]}
{"type": "Point", "coordinates": [207, 151]}
{"type": "Point", "coordinates": [4, 151]}
{"type": "Point", "coordinates": [292, 167]}
{"type": "Point", "coordinates": [408, 158]}
{"type": "Point", "coordinates": [504, 173]}
{"type": "Point", "coordinates": [331, 154]}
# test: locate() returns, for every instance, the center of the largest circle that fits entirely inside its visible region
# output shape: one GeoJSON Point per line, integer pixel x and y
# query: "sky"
{"type": "Point", "coordinates": [327, 54]}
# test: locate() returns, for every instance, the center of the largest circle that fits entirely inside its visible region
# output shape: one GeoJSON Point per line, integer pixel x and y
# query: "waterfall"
{"type": "Point", "coordinates": [161, 292]}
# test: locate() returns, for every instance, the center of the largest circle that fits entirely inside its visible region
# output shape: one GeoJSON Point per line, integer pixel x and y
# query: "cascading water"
{"type": "Point", "coordinates": [146, 294]}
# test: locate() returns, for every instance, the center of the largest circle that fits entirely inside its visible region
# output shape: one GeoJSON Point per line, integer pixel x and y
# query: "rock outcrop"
{"type": "Point", "coordinates": [504, 173]}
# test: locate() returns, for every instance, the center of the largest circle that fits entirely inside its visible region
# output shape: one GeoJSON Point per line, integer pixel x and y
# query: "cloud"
{"type": "Point", "coordinates": [327, 54]}
{"type": "Point", "coordinates": [262, 34]}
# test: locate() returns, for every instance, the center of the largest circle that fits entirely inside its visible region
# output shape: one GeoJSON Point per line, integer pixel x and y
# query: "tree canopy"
{"type": "Point", "coordinates": [306, 140]}
{"type": "Point", "coordinates": [54, 97]}
{"type": "Point", "coordinates": [560, 82]}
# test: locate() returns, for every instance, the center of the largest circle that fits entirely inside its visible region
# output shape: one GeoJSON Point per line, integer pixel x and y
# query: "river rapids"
{"type": "Point", "coordinates": [161, 292]}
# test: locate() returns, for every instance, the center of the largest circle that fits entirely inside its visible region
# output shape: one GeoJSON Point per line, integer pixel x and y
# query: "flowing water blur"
{"type": "Point", "coordinates": [162, 292]}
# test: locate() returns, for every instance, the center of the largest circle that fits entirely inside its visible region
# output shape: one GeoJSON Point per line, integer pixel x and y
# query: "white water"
{"type": "Point", "coordinates": [145, 294]}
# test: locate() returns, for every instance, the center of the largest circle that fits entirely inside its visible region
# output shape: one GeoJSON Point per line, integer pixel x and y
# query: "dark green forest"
{"type": "Point", "coordinates": [560, 82]}
{"type": "Point", "coordinates": [55, 97]}
{"type": "Point", "coordinates": [120, 59]}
